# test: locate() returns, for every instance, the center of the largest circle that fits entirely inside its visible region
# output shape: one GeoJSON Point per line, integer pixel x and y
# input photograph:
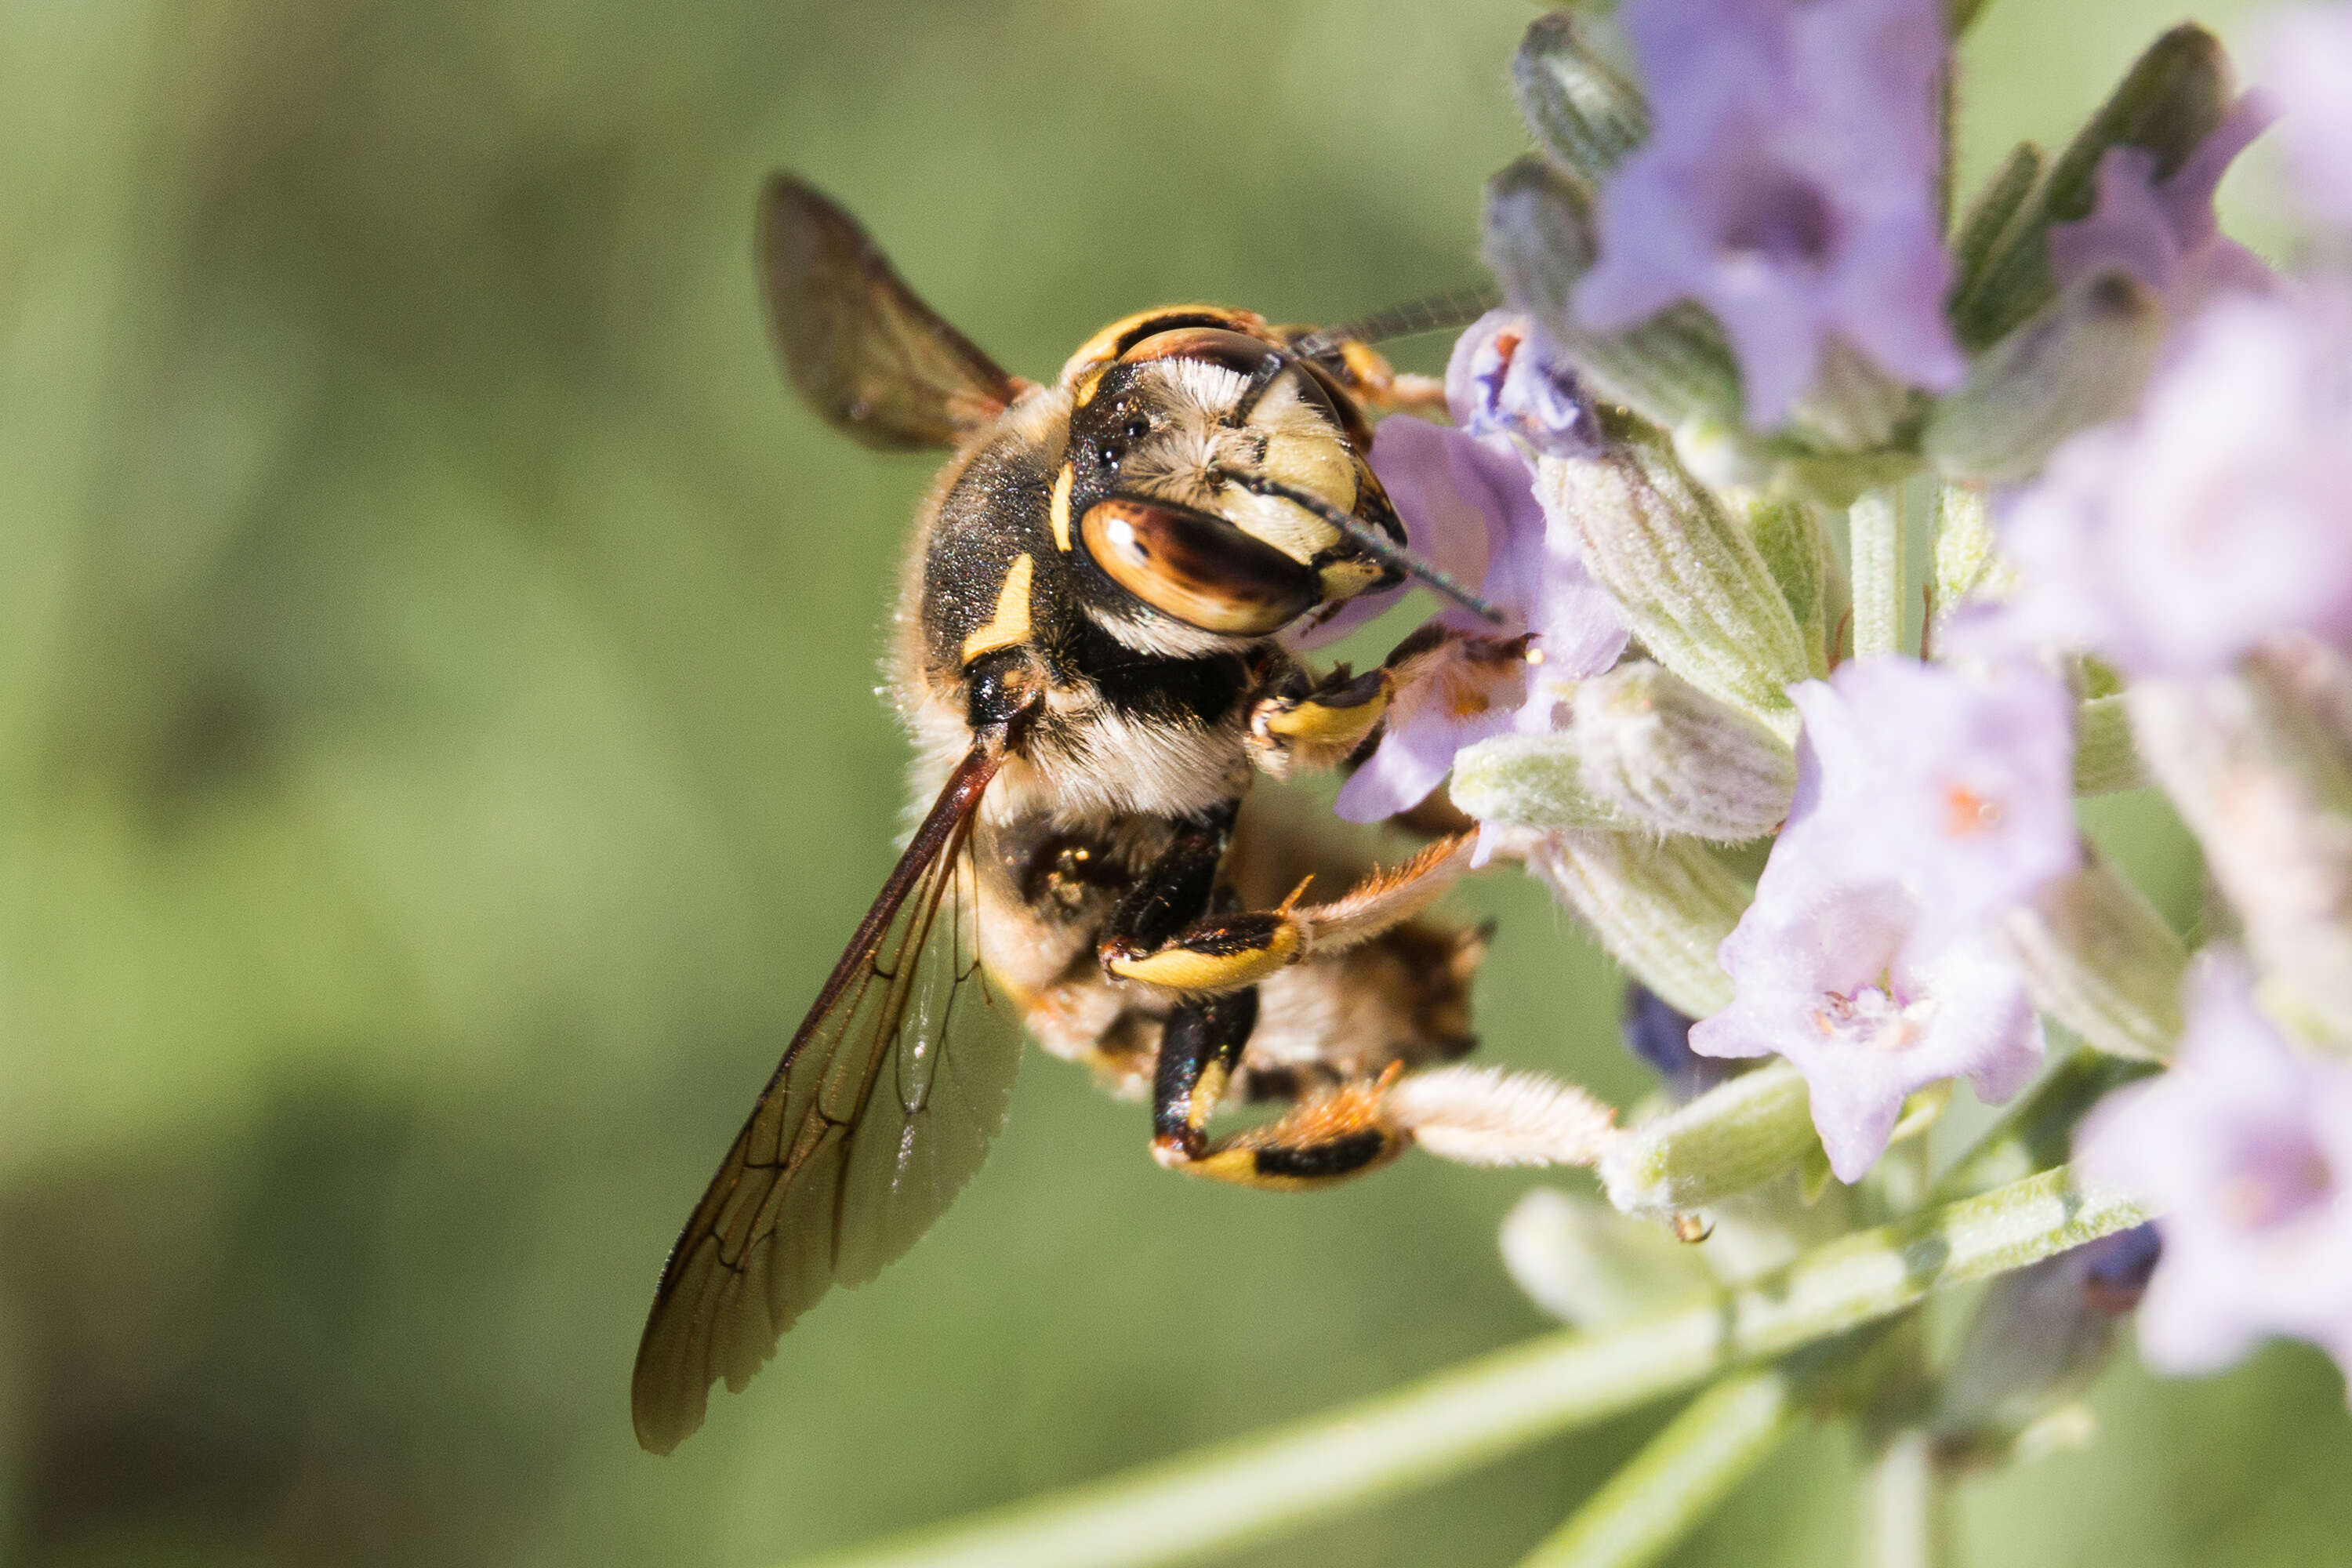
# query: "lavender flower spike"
{"type": "Point", "coordinates": [2245, 1147]}
{"type": "Point", "coordinates": [1789, 186]}
{"type": "Point", "coordinates": [2165, 234]}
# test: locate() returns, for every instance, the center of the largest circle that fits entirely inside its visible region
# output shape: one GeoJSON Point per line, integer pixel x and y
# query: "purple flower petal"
{"type": "Point", "coordinates": [1958, 786]}
{"type": "Point", "coordinates": [1456, 694]}
{"type": "Point", "coordinates": [2245, 1148]}
{"type": "Point", "coordinates": [1789, 186]}
{"type": "Point", "coordinates": [2165, 234]}
{"type": "Point", "coordinates": [2307, 59]}
{"type": "Point", "coordinates": [2219, 516]}
{"type": "Point", "coordinates": [1507, 378]}
{"type": "Point", "coordinates": [1822, 977]}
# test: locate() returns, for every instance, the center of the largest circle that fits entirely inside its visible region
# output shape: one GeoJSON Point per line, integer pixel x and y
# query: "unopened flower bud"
{"type": "Point", "coordinates": [2081, 362]}
{"type": "Point", "coordinates": [1659, 906]}
{"type": "Point", "coordinates": [1664, 754]}
{"type": "Point", "coordinates": [1540, 239]}
{"type": "Point", "coordinates": [1687, 576]}
{"type": "Point", "coordinates": [1590, 1266]}
{"type": "Point", "coordinates": [1851, 407]}
{"type": "Point", "coordinates": [2173, 96]}
{"type": "Point", "coordinates": [1969, 567]}
{"type": "Point", "coordinates": [2039, 1337]}
{"type": "Point", "coordinates": [2260, 774]}
{"type": "Point", "coordinates": [1578, 98]}
{"type": "Point", "coordinates": [1732, 1139]}
{"type": "Point", "coordinates": [2099, 959]}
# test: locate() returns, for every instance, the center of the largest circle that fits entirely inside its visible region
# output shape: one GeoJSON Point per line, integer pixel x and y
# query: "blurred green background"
{"type": "Point", "coordinates": [438, 760]}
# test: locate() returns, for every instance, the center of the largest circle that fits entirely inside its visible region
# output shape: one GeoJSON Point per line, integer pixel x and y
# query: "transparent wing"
{"type": "Point", "coordinates": [881, 1110]}
{"type": "Point", "coordinates": [866, 352]}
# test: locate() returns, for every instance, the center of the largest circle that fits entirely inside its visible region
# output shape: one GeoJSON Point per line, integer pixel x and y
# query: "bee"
{"type": "Point", "coordinates": [1086, 653]}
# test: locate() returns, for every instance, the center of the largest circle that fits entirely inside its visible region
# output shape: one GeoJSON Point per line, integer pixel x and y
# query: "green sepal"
{"type": "Point", "coordinates": [1580, 104]}
{"type": "Point", "coordinates": [1689, 578]}
{"type": "Point", "coordinates": [1660, 906]}
{"type": "Point", "coordinates": [2099, 959]}
{"type": "Point", "coordinates": [1529, 781]}
{"type": "Point", "coordinates": [2080, 361]}
{"type": "Point", "coordinates": [1738, 1135]}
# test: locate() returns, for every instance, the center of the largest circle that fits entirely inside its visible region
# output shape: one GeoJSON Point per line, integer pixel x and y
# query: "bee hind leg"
{"type": "Point", "coordinates": [1222, 952]}
{"type": "Point", "coordinates": [1338, 1135]}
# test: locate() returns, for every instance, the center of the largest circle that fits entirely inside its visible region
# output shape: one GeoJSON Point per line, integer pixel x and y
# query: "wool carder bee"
{"type": "Point", "coordinates": [1086, 653]}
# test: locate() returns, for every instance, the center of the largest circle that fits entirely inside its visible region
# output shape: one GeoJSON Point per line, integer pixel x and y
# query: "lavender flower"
{"type": "Point", "coordinates": [1928, 802]}
{"type": "Point", "coordinates": [1825, 974]}
{"type": "Point", "coordinates": [2164, 233]}
{"type": "Point", "coordinates": [1506, 378]}
{"type": "Point", "coordinates": [2306, 56]}
{"type": "Point", "coordinates": [2246, 1146]}
{"type": "Point", "coordinates": [1469, 504]}
{"type": "Point", "coordinates": [2219, 516]}
{"type": "Point", "coordinates": [1789, 186]}
{"type": "Point", "coordinates": [1958, 785]}
{"type": "Point", "coordinates": [1453, 691]}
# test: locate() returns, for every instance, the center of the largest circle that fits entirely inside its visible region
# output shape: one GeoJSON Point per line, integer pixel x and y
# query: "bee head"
{"type": "Point", "coordinates": [1216, 479]}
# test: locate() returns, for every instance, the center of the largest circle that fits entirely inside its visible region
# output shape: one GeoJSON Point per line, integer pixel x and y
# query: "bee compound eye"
{"type": "Point", "coordinates": [1237, 352]}
{"type": "Point", "coordinates": [1198, 569]}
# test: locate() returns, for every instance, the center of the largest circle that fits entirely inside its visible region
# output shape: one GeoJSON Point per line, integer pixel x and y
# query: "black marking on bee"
{"type": "Point", "coordinates": [1320, 1161]}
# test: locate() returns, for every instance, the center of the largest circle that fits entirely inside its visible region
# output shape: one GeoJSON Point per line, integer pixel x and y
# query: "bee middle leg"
{"type": "Point", "coordinates": [1222, 952]}
{"type": "Point", "coordinates": [1328, 1139]}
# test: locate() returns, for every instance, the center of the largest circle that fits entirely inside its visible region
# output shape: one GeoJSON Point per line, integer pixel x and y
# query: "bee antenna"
{"type": "Point", "coordinates": [1378, 545]}
{"type": "Point", "coordinates": [1437, 314]}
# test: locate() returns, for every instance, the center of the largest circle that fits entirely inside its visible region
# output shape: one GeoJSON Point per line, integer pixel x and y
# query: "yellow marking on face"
{"type": "Point", "coordinates": [1060, 515]}
{"type": "Point", "coordinates": [1010, 626]}
{"type": "Point", "coordinates": [1085, 391]}
{"type": "Point", "coordinates": [1182, 968]}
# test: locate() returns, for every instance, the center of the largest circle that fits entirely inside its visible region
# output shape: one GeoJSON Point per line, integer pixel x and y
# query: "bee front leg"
{"type": "Point", "coordinates": [1300, 725]}
{"type": "Point", "coordinates": [1220, 952]}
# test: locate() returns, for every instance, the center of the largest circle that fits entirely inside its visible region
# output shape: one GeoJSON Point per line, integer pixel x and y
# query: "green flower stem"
{"type": "Point", "coordinates": [1906, 1512]}
{"type": "Point", "coordinates": [1876, 525]}
{"type": "Point", "coordinates": [2036, 1132]}
{"type": "Point", "coordinates": [1447, 1423]}
{"type": "Point", "coordinates": [1650, 1505]}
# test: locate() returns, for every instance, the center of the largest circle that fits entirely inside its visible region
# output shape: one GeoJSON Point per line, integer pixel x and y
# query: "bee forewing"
{"type": "Point", "coordinates": [858, 343]}
{"type": "Point", "coordinates": [881, 1110]}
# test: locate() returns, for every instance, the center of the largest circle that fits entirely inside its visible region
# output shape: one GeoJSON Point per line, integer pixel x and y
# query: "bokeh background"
{"type": "Point", "coordinates": [438, 760]}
